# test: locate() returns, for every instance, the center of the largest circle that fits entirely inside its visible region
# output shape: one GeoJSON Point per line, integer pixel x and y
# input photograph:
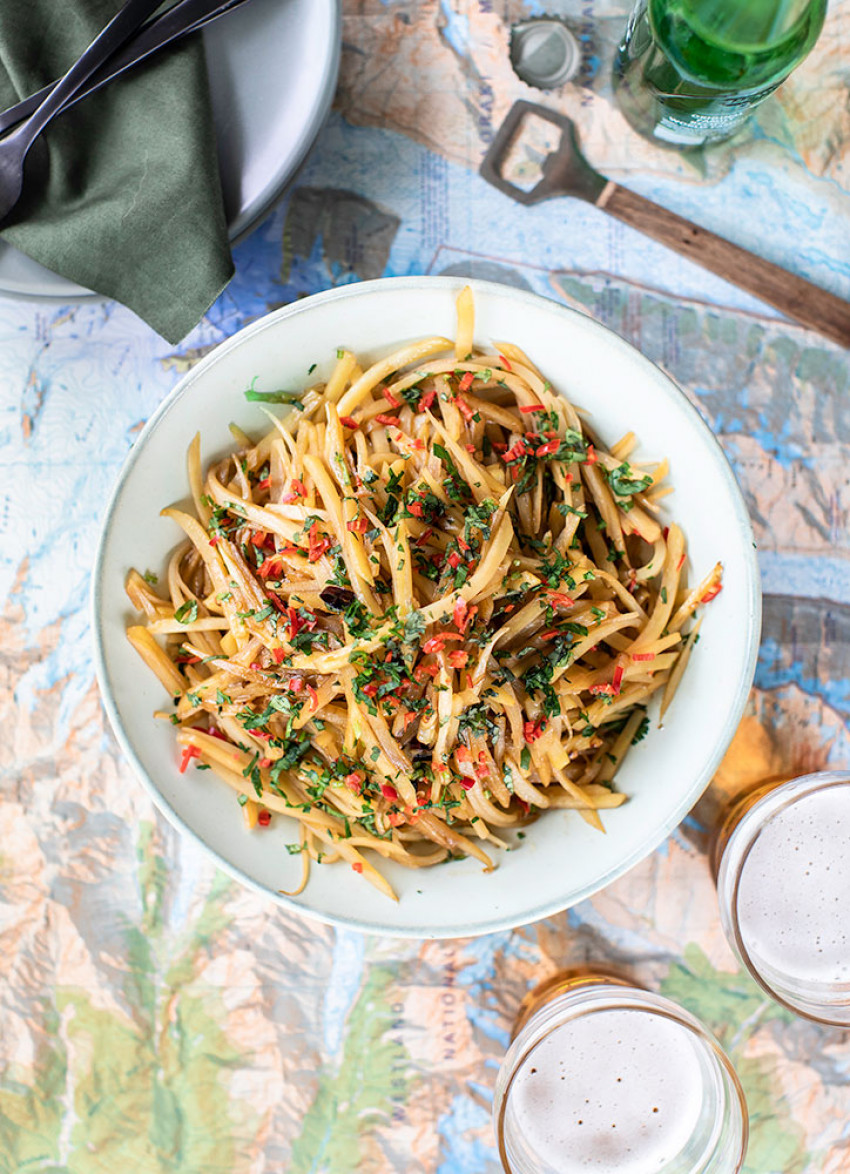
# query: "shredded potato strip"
{"type": "Point", "coordinates": [419, 611]}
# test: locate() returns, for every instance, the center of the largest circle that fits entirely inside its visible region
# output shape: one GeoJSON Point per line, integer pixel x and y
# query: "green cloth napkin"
{"type": "Point", "coordinates": [121, 193]}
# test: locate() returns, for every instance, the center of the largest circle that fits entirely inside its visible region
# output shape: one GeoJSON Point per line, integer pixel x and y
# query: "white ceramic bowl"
{"type": "Point", "coordinates": [561, 859]}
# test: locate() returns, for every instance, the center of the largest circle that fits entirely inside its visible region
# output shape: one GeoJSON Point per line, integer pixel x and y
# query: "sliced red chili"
{"type": "Point", "coordinates": [514, 454]}
{"type": "Point", "coordinates": [189, 752]}
{"type": "Point", "coordinates": [318, 544]}
{"type": "Point", "coordinates": [559, 599]}
{"type": "Point", "coordinates": [297, 490]}
{"type": "Point", "coordinates": [532, 730]}
{"type": "Point", "coordinates": [438, 643]}
{"type": "Point", "coordinates": [425, 670]}
{"type": "Point", "coordinates": [270, 565]}
{"type": "Point", "coordinates": [464, 409]}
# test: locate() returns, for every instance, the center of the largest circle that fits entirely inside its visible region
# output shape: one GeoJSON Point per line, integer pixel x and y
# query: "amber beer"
{"type": "Point", "coordinates": [783, 877]}
{"type": "Point", "coordinates": [604, 1076]}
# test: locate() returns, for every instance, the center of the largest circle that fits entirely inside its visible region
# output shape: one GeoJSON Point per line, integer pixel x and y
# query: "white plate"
{"type": "Point", "coordinates": [561, 860]}
{"type": "Point", "coordinates": [272, 66]}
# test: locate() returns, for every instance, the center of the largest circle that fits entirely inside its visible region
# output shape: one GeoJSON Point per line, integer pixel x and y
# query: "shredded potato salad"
{"type": "Point", "coordinates": [426, 607]}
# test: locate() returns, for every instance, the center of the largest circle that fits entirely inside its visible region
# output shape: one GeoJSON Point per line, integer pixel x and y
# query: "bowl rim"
{"type": "Point", "coordinates": [660, 832]}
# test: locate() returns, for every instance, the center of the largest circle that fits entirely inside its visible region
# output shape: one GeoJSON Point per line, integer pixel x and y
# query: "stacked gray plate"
{"type": "Point", "coordinates": [273, 66]}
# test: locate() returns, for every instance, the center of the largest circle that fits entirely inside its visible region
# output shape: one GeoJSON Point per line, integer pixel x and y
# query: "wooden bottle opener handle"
{"type": "Point", "coordinates": [566, 172]}
{"type": "Point", "coordinates": [794, 296]}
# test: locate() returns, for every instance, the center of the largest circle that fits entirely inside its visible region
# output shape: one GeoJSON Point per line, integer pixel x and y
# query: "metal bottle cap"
{"type": "Point", "coordinates": [544, 53]}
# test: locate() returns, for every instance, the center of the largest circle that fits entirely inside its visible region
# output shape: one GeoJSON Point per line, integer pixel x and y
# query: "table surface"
{"type": "Point", "coordinates": [154, 1015]}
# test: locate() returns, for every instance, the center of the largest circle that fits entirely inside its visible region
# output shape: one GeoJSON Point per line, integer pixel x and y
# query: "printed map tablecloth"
{"type": "Point", "coordinates": [156, 1017]}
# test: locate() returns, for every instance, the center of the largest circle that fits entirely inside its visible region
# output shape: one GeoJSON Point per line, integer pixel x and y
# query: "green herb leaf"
{"type": "Point", "coordinates": [642, 731]}
{"type": "Point", "coordinates": [275, 397]}
{"type": "Point", "coordinates": [187, 613]}
{"type": "Point", "coordinates": [624, 483]}
{"type": "Point", "coordinates": [414, 627]}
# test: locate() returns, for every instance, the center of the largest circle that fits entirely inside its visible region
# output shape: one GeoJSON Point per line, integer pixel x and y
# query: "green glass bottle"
{"type": "Point", "coordinates": [689, 72]}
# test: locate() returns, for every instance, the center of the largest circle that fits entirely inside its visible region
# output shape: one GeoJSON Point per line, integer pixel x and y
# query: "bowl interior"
{"type": "Point", "coordinates": [561, 859]}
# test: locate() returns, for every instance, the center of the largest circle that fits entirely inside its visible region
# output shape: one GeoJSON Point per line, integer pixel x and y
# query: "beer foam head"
{"type": "Point", "coordinates": [793, 891]}
{"type": "Point", "coordinates": [617, 1090]}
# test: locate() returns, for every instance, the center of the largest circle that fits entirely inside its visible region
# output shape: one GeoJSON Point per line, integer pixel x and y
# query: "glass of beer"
{"type": "Point", "coordinates": [604, 1076]}
{"type": "Point", "coordinates": [782, 862]}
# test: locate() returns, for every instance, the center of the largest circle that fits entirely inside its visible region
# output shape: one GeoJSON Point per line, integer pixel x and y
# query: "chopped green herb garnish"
{"type": "Point", "coordinates": [293, 398]}
{"type": "Point", "coordinates": [623, 483]}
